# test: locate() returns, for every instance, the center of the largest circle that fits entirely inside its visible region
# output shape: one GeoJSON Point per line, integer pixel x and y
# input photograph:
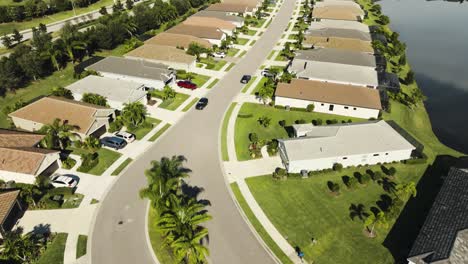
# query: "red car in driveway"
{"type": "Point", "coordinates": [187, 85]}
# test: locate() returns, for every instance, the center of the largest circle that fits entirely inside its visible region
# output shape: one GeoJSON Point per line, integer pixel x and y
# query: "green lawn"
{"type": "Point", "coordinates": [55, 250]}
{"type": "Point", "coordinates": [212, 84]}
{"type": "Point", "coordinates": [187, 107]}
{"type": "Point", "coordinates": [251, 32]}
{"type": "Point", "coordinates": [258, 226]}
{"type": "Point", "coordinates": [81, 246]}
{"type": "Point", "coordinates": [121, 167]}
{"type": "Point", "coordinates": [259, 85]}
{"type": "Point", "coordinates": [141, 131]}
{"type": "Point", "coordinates": [173, 103]}
{"type": "Point", "coordinates": [160, 132]}
{"type": "Point", "coordinates": [242, 54]}
{"type": "Point", "coordinates": [106, 158]}
{"type": "Point", "coordinates": [232, 52]}
{"type": "Point", "coordinates": [119, 51]}
{"type": "Point", "coordinates": [241, 41]}
{"type": "Point", "coordinates": [224, 150]}
{"type": "Point", "coordinates": [200, 80]}
{"type": "Point", "coordinates": [247, 123]}
{"type": "Point", "coordinates": [230, 66]}
{"type": "Point", "coordinates": [271, 54]}
{"type": "Point", "coordinates": [212, 64]}
{"type": "Point", "coordinates": [163, 253]}
{"type": "Point", "coordinates": [39, 88]}
{"type": "Point", "coordinates": [247, 86]}
{"type": "Point", "coordinates": [280, 58]}
{"type": "Point", "coordinates": [252, 43]}
{"type": "Point", "coordinates": [8, 27]}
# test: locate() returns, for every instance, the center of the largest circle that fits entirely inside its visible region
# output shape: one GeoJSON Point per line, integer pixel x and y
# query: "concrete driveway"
{"type": "Point", "coordinates": [196, 136]}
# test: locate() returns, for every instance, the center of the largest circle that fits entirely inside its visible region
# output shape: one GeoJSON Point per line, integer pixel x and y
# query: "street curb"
{"type": "Point", "coordinates": [148, 240]}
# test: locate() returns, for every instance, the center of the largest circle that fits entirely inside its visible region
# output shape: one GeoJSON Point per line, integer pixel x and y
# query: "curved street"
{"type": "Point", "coordinates": [196, 136]}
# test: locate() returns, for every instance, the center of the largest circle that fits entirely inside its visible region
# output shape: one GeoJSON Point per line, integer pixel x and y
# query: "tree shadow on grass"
{"type": "Point", "coordinates": [406, 228]}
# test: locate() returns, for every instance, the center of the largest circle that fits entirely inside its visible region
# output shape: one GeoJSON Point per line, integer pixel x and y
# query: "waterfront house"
{"type": "Point", "coordinates": [330, 98]}
{"type": "Point", "coordinates": [117, 92]}
{"type": "Point", "coordinates": [350, 144]}
{"type": "Point", "coordinates": [89, 119]}
{"type": "Point", "coordinates": [339, 24]}
{"type": "Point", "coordinates": [337, 12]}
{"type": "Point", "coordinates": [443, 238]}
{"type": "Point", "coordinates": [152, 75]}
{"type": "Point", "coordinates": [173, 57]}
{"type": "Point", "coordinates": [21, 157]}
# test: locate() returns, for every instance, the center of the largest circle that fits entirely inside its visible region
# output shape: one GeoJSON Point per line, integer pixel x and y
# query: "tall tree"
{"type": "Point", "coordinates": [62, 92]}
{"type": "Point", "coordinates": [375, 220]}
{"type": "Point", "coordinates": [189, 249]}
{"type": "Point", "coordinates": [71, 41]}
{"type": "Point", "coordinates": [58, 134]}
{"type": "Point", "coordinates": [17, 37]}
{"type": "Point", "coordinates": [19, 248]}
{"type": "Point", "coordinates": [134, 114]}
{"type": "Point", "coordinates": [164, 178]}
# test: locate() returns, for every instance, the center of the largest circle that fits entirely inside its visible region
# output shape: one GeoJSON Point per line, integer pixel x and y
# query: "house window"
{"type": "Point", "coordinates": [322, 104]}
{"type": "Point", "coordinates": [331, 107]}
{"type": "Point", "coordinates": [345, 158]}
{"type": "Point", "coordinates": [375, 155]}
{"type": "Point", "coordinates": [346, 107]}
{"type": "Point", "coordinates": [354, 108]}
{"type": "Point", "coordinates": [386, 154]}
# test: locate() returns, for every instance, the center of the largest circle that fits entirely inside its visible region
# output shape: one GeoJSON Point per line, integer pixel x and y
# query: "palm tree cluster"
{"type": "Point", "coordinates": [58, 134]}
{"type": "Point", "coordinates": [180, 215]}
{"type": "Point", "coordinates": [18, 248]}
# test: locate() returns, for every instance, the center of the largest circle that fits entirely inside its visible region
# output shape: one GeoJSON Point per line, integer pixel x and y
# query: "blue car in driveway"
{"type": "Point", "coordinates": [114, 142]}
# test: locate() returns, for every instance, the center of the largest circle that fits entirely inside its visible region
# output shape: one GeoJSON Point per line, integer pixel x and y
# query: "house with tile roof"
{"type": "Point", "coordinates": [170, 56]}
{"type": "Point", "coordinates": [350, 144]}
{"type": "Point", "coordinates": [443, 238]}
{"type": "Point", "coordinates": [225, 26]}
{"type": "Point", "coordinates": [232, 8]}
{"type": "Point", "coordinates": [236, 20]}
{"type": "Point", "coordinates": [213, 35]}
{"type": "Point", "coordinates": [338, 12]}
{"type": "Point", "coordinates": [330, 98]}
{"type": "Point", "coordinates": [10, 211]}
{"type": "Point", "coordinates": [21, 157]}
{"type": "Point", "coordinates": [89, 119]}
{"type": "Point", "coordinates": [177, 40]}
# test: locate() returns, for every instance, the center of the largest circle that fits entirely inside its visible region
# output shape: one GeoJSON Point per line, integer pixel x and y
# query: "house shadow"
{"type": "Point", "coordinates": [406, 228]}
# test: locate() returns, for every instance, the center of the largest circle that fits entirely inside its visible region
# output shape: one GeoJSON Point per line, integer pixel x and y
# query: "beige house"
{"type": "Point", "coordinates": [225, 26]}
{"type": "Point", "coordinates": [233, 8]}
{"type": "Point", "coordinates": [21, 157]}
{"type": "Point", "coordinates": [171, 56]}
{"type": "Point", "coordinates": [10, 211]}
{"type": "Point", "coordinates": [330, 98]}
{"type": "Point", "coordinates": [213, 35]}
{"type": "Point", "coordinates": [177, 40]}
{"type": "Point", "coordinates": [88, 118]}
{"type": "Point", "coordinates": [338, 13]}
{"type": "Point", "coordinates": [338, 43]}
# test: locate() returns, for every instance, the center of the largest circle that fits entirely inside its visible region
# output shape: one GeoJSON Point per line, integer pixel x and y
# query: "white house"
{"type": "Point", "coordinates": [152, 75]}
{"type": "Point", "coordinates": [330, 98]}
{"type": "Point", "coordinates": [22, 160]}
{"type": "Point", "coordinates": [117, 92]}
{"type": "Point", "coordinates": [347, 144]}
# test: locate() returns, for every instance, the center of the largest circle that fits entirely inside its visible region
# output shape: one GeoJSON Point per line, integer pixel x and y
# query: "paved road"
{"type": "Point", "coordinates": [196, 136]}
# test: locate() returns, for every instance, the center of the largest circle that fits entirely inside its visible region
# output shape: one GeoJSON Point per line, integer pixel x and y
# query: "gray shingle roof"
{"type": "Point", "coordinates": [444, 223]}
{"type": "Point", "coordinates": [338, 56]}
{"type": "Point", "coordinates": [133, 67]}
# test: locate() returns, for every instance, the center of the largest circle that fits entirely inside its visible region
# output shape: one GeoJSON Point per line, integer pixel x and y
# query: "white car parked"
{"type": "Point", "coordinates": [66, 180]}
{"type": "Point", "coordinates": [219, 54]}
{"type": "Point", "coordinates": [129, 137]}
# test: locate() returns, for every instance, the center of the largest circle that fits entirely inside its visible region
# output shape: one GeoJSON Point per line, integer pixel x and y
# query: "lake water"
{"type": "Point", "coordinates": [436, 34]}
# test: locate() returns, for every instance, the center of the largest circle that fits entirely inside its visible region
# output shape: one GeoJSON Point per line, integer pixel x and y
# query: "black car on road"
{"type": "Point", "coordinates": [246, 78]}
{"type": "Point", "coordinates": [202, 103]}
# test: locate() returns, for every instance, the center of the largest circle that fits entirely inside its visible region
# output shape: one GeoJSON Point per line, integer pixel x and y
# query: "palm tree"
{"type": "Point", "coordinates": [19, 248]}
{"type": "Point", "coordinates": [55, 51]}
{"type": "Point", "coordinates": [134, 114]}
{"type": "Point", "coordinates": [182, 217]}
{"type": "Point", "coordinates": [189, 249]}
{"type": "Point", "coordinates": [164, 178]}
{"type": "Point", "coordinates": [58, 134]}
{"type": "Point", "coordinates": [69, 36]}
{"type": "Point", "coordinates": [404, 191]}
{"type": "Point", "coordinates": [373, 220]}
{"type": "Point", "coordinates": [358, 211]}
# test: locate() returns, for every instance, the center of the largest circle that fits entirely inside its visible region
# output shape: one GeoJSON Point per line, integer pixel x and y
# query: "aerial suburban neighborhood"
{"type": "Point", "coordinates": [207, 131]}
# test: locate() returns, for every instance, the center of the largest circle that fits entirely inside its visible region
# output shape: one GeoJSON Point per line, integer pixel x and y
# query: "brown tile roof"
{"type": "Point", "coordinates": [7, 200]}
{"type": "Point", "coordinates": [47, 109]}
{"type": "Point", "coordinates": [340, 43]}
{"type": "Point", "coordinates": [197, 31]}
{"type": "Point", "coordinates": [177, 40]}
{"type": "Point", "coordinates": [161, 53]}
{"type": "Point", "coordinates": [209, 22]}
{"type": "Point", "coordinates": [337, 12]}
{"type": "Point", "coordinates": [330, 93]}
{"type": "Point", "coordinates": [18, 139]}
{"type": "Point", "coordinates": [249, 3]}
{"type": "Point", "coordinates": [230, 7]}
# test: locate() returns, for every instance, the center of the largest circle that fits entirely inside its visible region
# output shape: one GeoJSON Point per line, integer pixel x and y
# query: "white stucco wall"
{"type": "Point", "coordinates": [355, 160]}
{"type": "Point", "coordinates": [17, 177]}
{"type": "Point", "coordinates": [112, 103]}
{"type": "Point", "coordinates": [322, 107]}
{"type": "Point", "coordinates": [217, 41]}
{"type": "Point", "coordinates": [26, 124]}
{"type": "Point", "coordinates": [156, 84]}
{"type": "Point", "coordinates": [171, 64]}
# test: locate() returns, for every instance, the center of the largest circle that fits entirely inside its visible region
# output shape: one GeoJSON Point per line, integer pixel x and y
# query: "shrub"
{"type": "Point", "coordinates": [272, 146]}
{"type": "Point", "coordinates": [300, 121]}
{"type": "Point", "coordinates": [392, 171]}
{"type": "Point", "coordinates": [282, 123]}
{"type": "Point", "coordinates": [364, 179]}
{"type": "Point", "coordinates": [280, 174]}
{"type": "Point", "coordinates": [333, 187]}
{"type": "Point", "coordinates": [319, 121]}
{"type": "Point", "coordinates": [68, 163]}
{"type": "Point", "coordinates": [298, 109]}
{"type": "Point", "coordinates": [337, 167]}
{"type": "Point", "coordinates": [253, 137]}
{"type": "Point", "coordinates": [264, 121]}
{"type": "Point", "coordinates": [352, 182]}
{"type": "Point", "coordinates": [89, 161]}
{"type": "Point", "coordinates": [310, 108]}
{"type": "Point", "coordinates": [377, 176]}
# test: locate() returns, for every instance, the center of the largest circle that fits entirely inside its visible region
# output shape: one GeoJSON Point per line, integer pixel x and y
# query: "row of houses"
{"type": "Point", "coordinates": [340, 73]}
